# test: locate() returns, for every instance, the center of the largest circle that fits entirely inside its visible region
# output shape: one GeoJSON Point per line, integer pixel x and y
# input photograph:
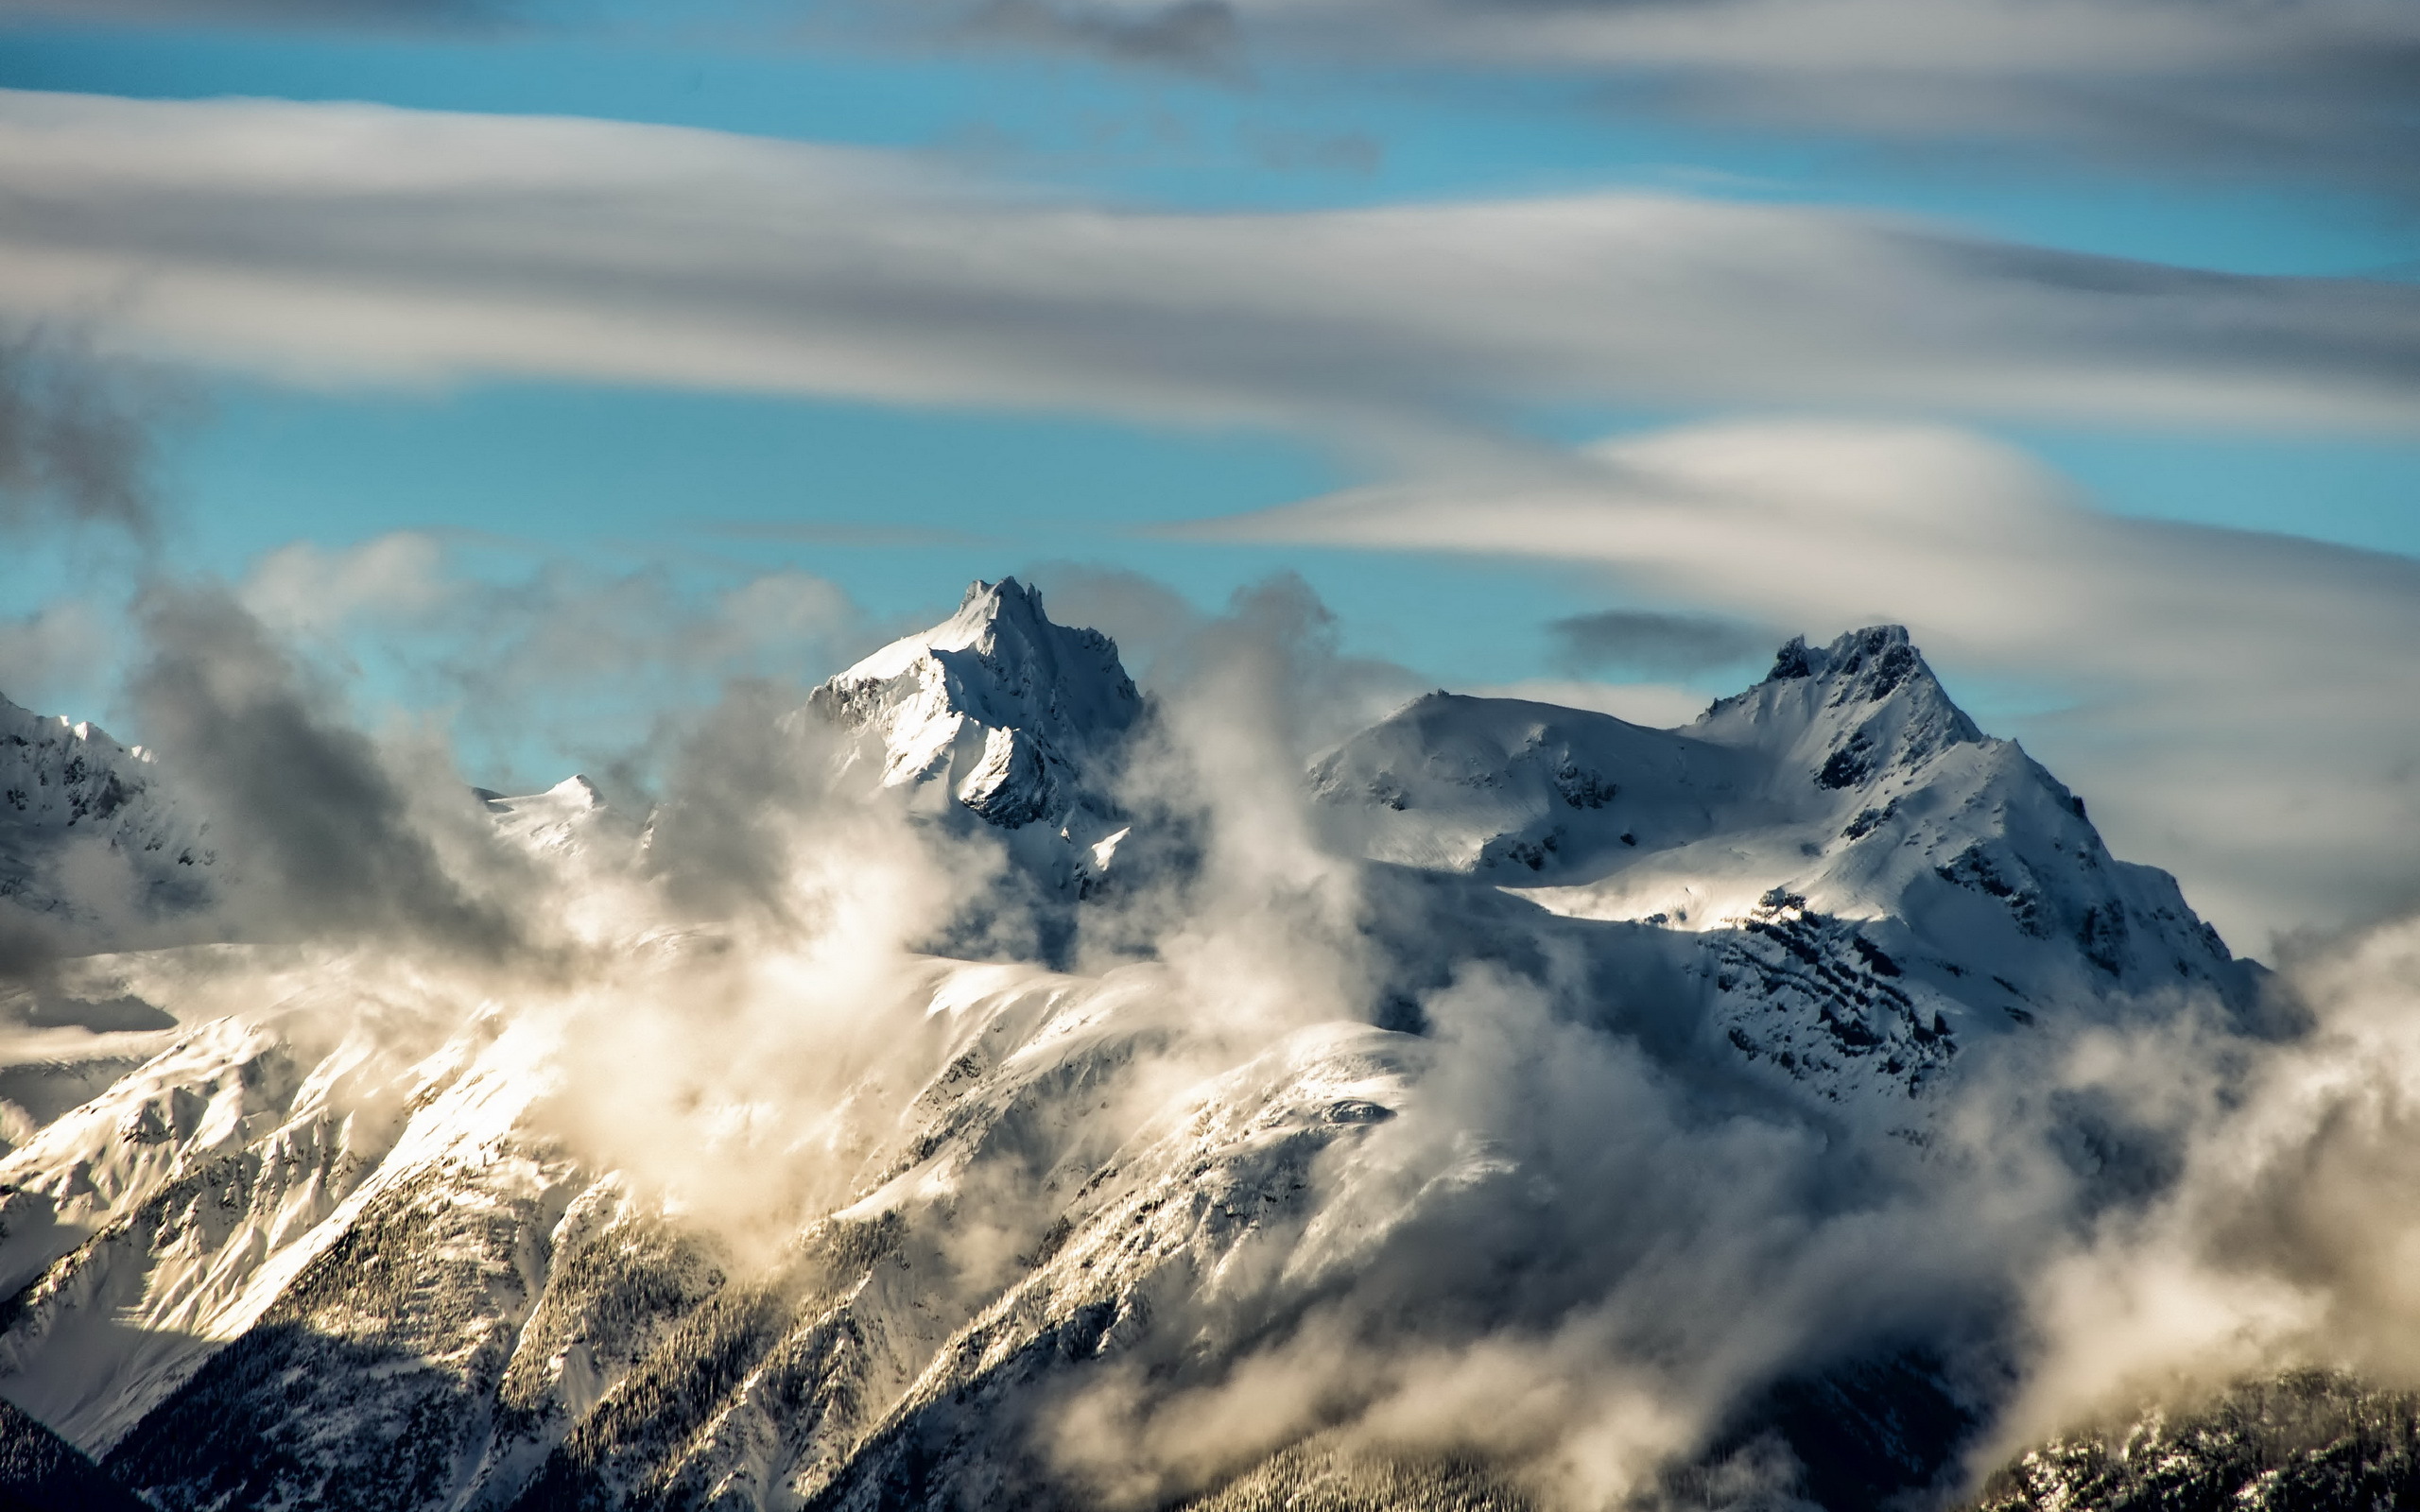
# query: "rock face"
{"type": "Point", "coordinates": [326, 1248]}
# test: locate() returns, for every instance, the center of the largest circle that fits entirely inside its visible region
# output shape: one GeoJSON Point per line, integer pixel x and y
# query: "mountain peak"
{"type": "Point", "coordinates": [1882, 656]}
{"type": "Point", "coordinates": [984, 606]}
{"type": "Point", "coordinates": [1867, 687]}
{"type": "Point", "coordinates": [1005, 704]}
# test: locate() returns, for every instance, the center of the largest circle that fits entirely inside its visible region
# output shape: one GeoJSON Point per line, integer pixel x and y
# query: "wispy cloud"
{"type": "Point", "coordinates": [2309, 92]}
{"type": "Point", "coordinates": [1198, 37]}
{"type": "Point", "coordinates": [350, 242]}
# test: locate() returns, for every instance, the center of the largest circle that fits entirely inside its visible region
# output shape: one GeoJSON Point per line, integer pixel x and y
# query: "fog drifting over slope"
{"type": "Point", "coordinates": [1569, 1250]}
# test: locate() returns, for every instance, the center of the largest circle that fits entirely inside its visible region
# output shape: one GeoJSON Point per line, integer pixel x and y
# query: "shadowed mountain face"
{"type": "Point", "coordinates": [2307, 1441]}
{"type": "Point", "coordinates": [1626, 1064]}
{"type": "Point", "coordinates": [41, 1472]}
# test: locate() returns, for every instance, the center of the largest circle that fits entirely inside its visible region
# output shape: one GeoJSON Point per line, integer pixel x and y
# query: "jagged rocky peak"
{"type": "Point", "coordinates": [1866, 704]}
{"type": "Point", "coordinates": [1006, 707]}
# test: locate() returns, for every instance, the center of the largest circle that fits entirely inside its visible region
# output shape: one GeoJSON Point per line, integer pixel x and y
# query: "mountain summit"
{"type": "Point", "coordinates": [1012, 713]}
{"type": "Point", "coordinates": [1861, 881]}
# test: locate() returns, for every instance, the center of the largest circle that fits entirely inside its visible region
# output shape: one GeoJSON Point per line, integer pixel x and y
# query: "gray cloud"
{"type": "Point", "coordinates": [325, 838]}
{"type": "Point", "coordinates": [76, 435]}
{"type": "Point", "coordinates": [347, 241]}
{"type": "Point", "coordinates": [55, 653]}
{"type": "Point", "coordinates": [2316, 89]}
{"type": "Point", "coordinates": [582, 660]}
{"type": "Point", "coordinates": [1642, 641]}
{"type": "Point", "coordinates": [2281, 1242]}
{"type": "Point", "coordinates": [553, 666]}
{"type": "Point", "coordinates": [2307, 90]}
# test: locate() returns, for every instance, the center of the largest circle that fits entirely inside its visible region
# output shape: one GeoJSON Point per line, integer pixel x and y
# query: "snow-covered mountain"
{"type": "Point", "coordinates": [1011, 716]}
{"type": "Point", "coordinates": [1866, 882]}
{"type": "Point", "coordinates": [339, 1240]}
{"type": "Point", "coordinates": [93, 853]}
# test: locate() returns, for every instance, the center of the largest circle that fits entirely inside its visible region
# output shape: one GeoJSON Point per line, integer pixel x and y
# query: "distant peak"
{"type": "Point", "coordinates": [1880, 665]}
{"type": "Point", "coordinates": [577, 787]}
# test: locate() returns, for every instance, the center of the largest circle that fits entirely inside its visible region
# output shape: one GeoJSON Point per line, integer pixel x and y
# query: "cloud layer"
{"type": "Point", "coordinates": [2311, 92]}
{"type": "Point", "coordinates": [1576, 1247]}
{"type": "Point", "coordinates": [350, 242]}
{"type": "Point", "coordinates": [2319, 89]}
{"type": "Point", "coordinates": [353, 243]}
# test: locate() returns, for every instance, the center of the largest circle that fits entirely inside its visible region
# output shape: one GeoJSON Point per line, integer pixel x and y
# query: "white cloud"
{"type": "Point", "coordinates": [2241, 703]}
{"type": "Point", "coordinates": [305, 589]}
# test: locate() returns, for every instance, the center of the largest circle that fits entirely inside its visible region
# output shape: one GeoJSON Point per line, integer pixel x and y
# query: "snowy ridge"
{"type": "Point", "coordinates": [218, 1223]}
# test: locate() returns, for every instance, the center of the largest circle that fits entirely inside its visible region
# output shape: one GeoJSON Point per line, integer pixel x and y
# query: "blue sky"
{"type": "Point", "coordinates": [2012, 183]}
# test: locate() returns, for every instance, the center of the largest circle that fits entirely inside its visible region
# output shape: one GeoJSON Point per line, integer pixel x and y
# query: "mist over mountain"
{"type": "Point", "coordinates": [984, 1081]}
